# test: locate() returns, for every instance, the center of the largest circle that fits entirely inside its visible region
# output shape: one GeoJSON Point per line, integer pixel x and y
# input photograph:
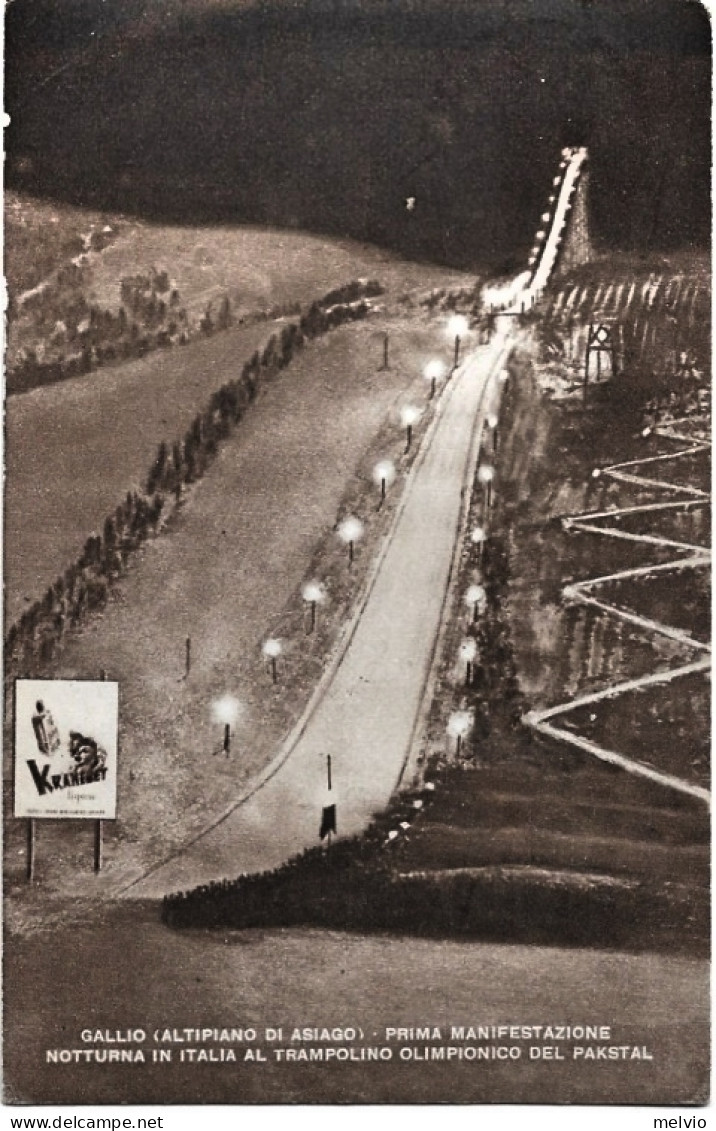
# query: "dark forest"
{"type": "Point", "coordinates": [326, 116]}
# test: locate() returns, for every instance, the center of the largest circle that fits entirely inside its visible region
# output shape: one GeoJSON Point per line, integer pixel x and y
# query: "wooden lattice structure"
{"type": "Point", "coordinates": [603, 338]}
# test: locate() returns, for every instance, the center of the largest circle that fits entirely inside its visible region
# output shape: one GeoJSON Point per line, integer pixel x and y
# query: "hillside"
{"type": "Point", "coordinates": [226, 568]}
{"type": "Point", "coordinates": [88, 289]}
{"type": "Point", "coordinates": [578, 784]}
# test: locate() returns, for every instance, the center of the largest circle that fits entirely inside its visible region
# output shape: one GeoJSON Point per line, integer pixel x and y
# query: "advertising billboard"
{"type": "Point", "coordinates": [66, 748]}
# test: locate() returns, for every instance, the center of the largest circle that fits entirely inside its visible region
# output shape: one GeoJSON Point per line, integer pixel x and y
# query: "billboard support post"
{"type": "Point", "coordinates": [98, 844]}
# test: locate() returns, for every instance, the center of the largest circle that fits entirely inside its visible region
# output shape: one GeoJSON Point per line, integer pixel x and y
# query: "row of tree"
{"type": "Point", "coordinates": [30, 372]}
{"type": "Point", "coordinates": [80, 337]}
{"type": "Point", "coordinates": [467, 300]}
{"type": "Point", "coordinates": [84, 587]}
{"type": "Point", "coordinates": [339, 889]}
{"type": "Point", "coordinates": [351, 292]}
{"type": "Point", "coordinates": [185, 461]}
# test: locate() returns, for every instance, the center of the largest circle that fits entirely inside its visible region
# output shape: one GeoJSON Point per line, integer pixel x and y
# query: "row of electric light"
{"type": "Point", "coordinates": [351, 529]}
{"type": "Point", "coordinates": [460, 722]}
{"type": "Point", "coordinates": [384, 475]}
{"type": "Point", "coordinates": [567, 156]}
{"type": "Point", "coordinates": [506, 295]}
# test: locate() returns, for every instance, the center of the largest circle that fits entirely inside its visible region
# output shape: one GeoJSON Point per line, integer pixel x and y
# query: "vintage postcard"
{"type": "Point", "coordinates": [357, 552]}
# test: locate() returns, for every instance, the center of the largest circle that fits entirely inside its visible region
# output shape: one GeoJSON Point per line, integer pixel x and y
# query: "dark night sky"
{"type": "Point", "coordinates": [325, 114]}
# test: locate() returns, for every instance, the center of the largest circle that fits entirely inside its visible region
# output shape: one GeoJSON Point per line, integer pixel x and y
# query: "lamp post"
{"type": "Point", "coordinates": [457, 328]}
{"type": "Point", "coordinates": [383, 475]}
{"type": "Point", "coordinates": [272, 649]}
{"type": "Point", "coordinates": [386, 342]}
{"type": "Point", "coordinates": [226, 712]}
{"type": "Point", "coordinates": [459, 726]}
{"type": "Point", "coordinates": [433, 371]}
{"type": "Point", "coordinates": [328, 813]}
{"type": "Point", "coordinates": [409, 415]}
{"type": "Point", "coordinates": [477, 537]}
{"type": "Point", "coordinates": [468, 652]}
{"type": "Point", "coordinates": [486, 474]}
{"type": "Point", "coordinates": [475, 599]}
{"type": "Point", "coordinates": [489, 298]}
{"type": "Point", "coordinates": [491, 421]}
{"type": "Point", "coordinates": [350, 531]}
{"type": "Point", "coordinates": [313, 594]}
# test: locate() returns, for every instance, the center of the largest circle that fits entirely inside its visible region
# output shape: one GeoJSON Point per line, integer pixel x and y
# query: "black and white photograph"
{"type": "Point", "coordinates": [356, 556]}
